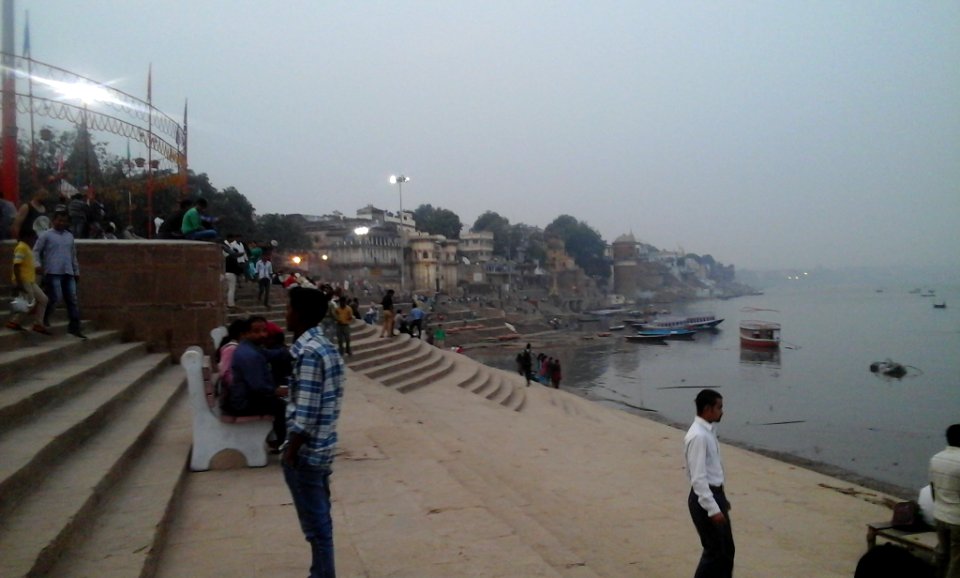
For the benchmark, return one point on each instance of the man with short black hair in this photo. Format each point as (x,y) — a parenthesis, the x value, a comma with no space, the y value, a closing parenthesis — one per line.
(707,502)
(193,227)
(57,255)
(253,391)
(316,390)
(945,486)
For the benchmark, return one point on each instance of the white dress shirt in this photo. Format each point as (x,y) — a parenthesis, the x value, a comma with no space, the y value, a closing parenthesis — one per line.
(945,477)
(704,469)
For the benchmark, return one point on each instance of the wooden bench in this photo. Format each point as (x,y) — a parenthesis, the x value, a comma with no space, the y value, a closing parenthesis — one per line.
(922,542)
(214,432)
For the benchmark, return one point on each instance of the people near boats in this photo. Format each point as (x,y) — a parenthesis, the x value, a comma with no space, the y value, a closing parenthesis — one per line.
(707,501)
(555,374)
(945,486)
(525,363)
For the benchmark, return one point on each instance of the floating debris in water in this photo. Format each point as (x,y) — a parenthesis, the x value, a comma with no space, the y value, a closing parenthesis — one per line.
(888,368)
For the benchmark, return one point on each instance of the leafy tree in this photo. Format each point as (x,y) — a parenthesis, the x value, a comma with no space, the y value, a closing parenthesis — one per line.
(582,242)
(286,230)
(234,212)
(83,162)
(528,241)
(438,221)
(500,227)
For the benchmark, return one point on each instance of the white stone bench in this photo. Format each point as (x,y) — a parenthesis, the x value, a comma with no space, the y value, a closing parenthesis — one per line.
(213,433)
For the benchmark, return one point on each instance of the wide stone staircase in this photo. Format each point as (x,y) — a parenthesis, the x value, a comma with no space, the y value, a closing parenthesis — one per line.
(401,362)
(94,436)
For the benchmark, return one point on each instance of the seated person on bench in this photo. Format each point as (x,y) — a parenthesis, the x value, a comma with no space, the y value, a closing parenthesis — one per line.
(252,391)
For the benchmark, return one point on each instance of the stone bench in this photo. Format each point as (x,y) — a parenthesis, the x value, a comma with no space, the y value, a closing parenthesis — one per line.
(214,432)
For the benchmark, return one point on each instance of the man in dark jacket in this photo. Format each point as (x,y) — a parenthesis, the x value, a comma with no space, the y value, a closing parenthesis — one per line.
(252,391)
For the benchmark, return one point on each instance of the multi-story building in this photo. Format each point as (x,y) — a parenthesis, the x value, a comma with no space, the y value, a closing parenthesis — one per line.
(477,246)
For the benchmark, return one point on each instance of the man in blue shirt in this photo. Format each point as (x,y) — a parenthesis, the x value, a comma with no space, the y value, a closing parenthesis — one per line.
(57,254)
(416,319)
(252,390)
(316,390)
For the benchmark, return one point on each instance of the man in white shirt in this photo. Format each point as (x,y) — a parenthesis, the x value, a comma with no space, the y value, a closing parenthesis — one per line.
(264,279)
(945,485)
(707,502)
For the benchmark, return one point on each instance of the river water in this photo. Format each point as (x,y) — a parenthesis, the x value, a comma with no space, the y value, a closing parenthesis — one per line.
(816,398)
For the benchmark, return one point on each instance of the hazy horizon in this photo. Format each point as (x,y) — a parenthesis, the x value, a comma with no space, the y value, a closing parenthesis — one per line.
(768,135)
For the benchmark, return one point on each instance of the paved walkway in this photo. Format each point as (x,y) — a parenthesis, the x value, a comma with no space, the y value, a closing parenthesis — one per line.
(443,483)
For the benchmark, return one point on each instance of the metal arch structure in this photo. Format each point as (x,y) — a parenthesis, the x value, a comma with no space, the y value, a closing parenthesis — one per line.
(111,110)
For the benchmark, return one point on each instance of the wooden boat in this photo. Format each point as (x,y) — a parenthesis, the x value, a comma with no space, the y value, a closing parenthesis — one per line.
(693,322)
(668,333)
(604,334)
(651,339)
(759,334)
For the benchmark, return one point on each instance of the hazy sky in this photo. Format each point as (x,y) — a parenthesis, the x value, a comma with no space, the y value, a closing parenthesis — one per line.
(768,134)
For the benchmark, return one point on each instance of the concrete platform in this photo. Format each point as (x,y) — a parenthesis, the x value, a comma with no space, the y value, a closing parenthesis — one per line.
(441,482)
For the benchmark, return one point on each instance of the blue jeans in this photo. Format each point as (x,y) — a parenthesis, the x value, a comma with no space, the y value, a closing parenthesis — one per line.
(62,288)
(201,235)
(310,488)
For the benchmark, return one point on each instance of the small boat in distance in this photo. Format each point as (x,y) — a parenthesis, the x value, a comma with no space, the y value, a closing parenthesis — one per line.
(755,333)
(617,327)
(941,305)
(667,333)
(693,322)
(929,293)
(649,339)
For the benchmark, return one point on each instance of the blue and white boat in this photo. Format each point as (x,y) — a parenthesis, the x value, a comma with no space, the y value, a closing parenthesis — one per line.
(667,333)
(692,322)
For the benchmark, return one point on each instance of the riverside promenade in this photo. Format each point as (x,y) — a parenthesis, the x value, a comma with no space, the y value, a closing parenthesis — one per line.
(440,482)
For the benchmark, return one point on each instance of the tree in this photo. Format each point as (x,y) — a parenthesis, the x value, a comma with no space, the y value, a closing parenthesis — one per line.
(234,212)
(528,241)
(500,227)
(583,243)
(438,221)
(83,162)
(286,230)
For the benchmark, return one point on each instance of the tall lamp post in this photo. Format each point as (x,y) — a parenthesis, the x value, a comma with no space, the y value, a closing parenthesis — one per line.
(399,180)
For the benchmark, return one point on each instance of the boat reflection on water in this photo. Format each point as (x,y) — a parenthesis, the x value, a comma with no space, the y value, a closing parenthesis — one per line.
(760,356)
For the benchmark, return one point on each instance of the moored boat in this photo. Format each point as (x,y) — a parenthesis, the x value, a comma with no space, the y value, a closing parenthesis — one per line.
(664,333)
(755,333)
(692,322)
(941,305)
(658,339)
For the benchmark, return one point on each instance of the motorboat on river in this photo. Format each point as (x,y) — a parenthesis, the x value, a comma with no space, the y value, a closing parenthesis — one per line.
(692,322)
(765,334)
(667,333)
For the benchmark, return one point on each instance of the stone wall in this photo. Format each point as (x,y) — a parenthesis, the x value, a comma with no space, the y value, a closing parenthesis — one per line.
(166,293)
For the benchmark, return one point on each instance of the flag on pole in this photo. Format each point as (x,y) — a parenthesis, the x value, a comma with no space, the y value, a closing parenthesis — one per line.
(26,36)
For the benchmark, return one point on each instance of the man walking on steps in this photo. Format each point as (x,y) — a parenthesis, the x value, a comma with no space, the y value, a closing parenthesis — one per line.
(57,255)
(707,502)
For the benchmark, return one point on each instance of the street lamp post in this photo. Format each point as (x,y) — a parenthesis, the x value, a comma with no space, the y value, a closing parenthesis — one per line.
(399,180)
